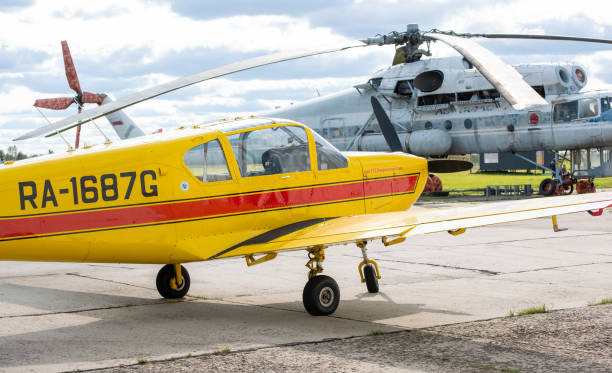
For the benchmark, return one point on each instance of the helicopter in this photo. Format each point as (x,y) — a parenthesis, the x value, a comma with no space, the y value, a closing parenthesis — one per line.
(450,106)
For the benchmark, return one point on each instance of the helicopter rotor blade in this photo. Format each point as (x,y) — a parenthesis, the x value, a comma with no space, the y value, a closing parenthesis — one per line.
(503,77)
(71,75)
(530,36)
(94,113)
(386,126)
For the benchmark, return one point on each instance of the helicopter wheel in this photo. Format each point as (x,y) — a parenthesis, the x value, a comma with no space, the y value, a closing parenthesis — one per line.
(547,187)
(321,296)
(167,285)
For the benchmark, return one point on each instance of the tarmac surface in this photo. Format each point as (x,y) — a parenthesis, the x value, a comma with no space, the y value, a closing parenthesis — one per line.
(435,291)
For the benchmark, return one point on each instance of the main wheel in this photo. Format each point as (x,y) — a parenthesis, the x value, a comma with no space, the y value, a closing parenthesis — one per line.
(369,272)
(547,187)
(166,282)
(321,296)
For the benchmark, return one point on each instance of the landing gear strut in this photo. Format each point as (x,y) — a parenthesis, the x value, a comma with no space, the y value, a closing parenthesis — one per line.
(321,294)
(368,270)
(173,281)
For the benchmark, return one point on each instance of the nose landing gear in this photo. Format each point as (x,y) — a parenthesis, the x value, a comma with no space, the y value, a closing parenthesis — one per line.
(368,270)
(173,281)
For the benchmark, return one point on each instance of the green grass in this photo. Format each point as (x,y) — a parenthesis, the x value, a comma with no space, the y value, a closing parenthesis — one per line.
(601,302)
(376,332)
(225,351)
(142,361)
(530,311)
(467,180)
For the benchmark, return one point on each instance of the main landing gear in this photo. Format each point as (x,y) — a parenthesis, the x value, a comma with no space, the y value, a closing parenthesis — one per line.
(173,281)
(321,294)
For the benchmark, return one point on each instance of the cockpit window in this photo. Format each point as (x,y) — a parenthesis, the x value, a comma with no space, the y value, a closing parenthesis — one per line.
(328,157)
(572,110)
(565,112)
(606,103)
(207,162)
(270,151)
(587,108)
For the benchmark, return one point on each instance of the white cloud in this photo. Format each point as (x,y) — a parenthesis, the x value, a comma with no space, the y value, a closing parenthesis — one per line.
(515,16)
(100,28)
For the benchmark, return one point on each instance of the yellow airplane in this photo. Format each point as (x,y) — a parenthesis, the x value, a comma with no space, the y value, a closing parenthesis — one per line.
(249,187)
(236,188)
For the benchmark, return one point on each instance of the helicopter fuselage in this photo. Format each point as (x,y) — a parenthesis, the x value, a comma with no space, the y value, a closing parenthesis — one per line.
(444,106)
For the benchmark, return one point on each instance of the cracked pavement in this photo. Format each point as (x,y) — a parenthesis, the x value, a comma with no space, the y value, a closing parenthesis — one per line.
(67,316)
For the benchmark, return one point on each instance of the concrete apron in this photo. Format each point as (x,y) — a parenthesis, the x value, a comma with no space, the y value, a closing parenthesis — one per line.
(56,317)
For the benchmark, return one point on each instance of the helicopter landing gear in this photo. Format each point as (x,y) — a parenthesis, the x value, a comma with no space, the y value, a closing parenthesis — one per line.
(173,281)
(368,270)
(321,294)
(547,187)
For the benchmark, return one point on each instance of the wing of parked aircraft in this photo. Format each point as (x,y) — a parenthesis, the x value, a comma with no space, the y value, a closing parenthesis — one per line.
(394,227)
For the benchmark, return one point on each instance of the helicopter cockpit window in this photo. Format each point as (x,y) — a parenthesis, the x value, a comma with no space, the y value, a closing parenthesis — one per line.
(565,112)
(207,162)
(572,110)
(587,108)
(606,103)
(328,157)
(271,151)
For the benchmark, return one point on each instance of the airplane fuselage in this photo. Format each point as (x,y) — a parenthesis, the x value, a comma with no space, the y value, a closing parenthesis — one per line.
(148,200)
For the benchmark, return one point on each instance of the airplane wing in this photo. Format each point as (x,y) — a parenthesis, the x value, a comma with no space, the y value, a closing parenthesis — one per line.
(396,226)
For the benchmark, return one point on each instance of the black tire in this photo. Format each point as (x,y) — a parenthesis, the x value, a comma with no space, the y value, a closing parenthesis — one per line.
(165,275)
(321,296)
(369,272)
(547,187)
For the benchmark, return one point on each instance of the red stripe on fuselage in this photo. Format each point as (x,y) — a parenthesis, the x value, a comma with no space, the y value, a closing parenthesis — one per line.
(185,210)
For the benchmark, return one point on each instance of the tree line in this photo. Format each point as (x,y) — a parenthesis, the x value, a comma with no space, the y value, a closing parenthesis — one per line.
(13,154)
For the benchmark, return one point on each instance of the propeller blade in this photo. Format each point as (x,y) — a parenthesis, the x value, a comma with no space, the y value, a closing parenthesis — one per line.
(537,37)
(71,75)
(504,78)
(94,113)
(91,98)
(386,126)
(58,103)
(442,166)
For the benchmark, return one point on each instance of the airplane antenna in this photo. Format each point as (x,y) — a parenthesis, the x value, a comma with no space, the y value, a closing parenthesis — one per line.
(108,141)
(55,129)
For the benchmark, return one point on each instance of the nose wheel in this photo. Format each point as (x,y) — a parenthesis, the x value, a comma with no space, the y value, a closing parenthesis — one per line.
(173,281)
(368,270)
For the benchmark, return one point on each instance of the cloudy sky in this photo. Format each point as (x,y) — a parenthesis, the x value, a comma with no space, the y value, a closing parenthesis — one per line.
(123,46)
